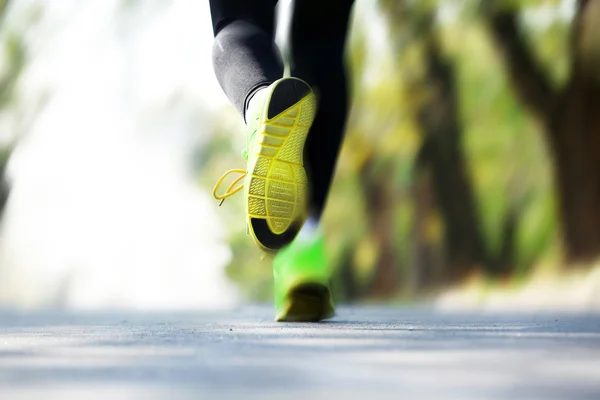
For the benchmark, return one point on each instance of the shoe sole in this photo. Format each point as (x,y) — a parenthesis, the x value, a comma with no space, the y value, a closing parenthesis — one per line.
(307,302)
(277,182)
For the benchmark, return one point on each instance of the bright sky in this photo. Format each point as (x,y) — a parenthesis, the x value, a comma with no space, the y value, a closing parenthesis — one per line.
(104,212)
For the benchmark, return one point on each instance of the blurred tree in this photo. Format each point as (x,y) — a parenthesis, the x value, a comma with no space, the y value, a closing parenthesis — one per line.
(569,116)
(15,57)
(380,208)
(3,8)
(431,84)
(14,54)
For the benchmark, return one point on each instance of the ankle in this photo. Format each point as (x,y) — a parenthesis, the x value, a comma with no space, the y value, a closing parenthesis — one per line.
(253,102)
(309,229)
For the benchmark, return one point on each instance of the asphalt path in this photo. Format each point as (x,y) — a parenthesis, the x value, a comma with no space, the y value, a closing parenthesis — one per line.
(365,352)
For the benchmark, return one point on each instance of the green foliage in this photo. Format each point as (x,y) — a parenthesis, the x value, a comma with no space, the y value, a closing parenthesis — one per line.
(3,8)
(550,45)
(14,56)
(14,53)
(508,159)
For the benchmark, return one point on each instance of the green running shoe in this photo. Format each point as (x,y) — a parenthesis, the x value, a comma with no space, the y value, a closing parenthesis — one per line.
(275,182)
(301,273)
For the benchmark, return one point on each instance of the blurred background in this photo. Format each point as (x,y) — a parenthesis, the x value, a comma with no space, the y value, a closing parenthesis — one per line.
(470,175)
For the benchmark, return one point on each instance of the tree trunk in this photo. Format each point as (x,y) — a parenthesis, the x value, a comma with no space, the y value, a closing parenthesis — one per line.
(438,117)
(381,206)
(426,259)
(571,118)
(574,136)
(347,289)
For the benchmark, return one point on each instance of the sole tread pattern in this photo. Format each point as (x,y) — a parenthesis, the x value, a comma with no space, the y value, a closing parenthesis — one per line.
(278,179)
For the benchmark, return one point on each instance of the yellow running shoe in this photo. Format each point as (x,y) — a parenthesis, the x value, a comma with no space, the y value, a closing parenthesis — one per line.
(275,182)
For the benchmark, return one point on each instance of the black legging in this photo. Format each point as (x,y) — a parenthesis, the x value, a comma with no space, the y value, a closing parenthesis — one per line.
(246,59)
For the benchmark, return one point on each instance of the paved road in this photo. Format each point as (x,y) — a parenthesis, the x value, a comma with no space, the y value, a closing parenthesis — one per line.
(364,353)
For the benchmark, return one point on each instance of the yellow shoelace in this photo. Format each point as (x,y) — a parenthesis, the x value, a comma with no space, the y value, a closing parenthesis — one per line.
(232,188)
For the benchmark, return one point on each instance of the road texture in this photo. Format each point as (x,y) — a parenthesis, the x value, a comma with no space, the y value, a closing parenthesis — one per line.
(365,352)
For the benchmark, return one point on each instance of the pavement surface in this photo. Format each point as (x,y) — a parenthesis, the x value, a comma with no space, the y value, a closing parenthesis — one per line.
(365,352)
